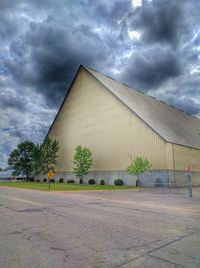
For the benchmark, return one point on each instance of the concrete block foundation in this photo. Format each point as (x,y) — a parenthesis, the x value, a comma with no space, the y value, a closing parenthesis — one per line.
(147,179)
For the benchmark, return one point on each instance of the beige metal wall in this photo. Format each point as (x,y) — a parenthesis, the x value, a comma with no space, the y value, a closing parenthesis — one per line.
(185,156)
(93,117)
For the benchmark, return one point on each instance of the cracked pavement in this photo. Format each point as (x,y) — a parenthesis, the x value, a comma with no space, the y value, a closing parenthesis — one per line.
(98,229)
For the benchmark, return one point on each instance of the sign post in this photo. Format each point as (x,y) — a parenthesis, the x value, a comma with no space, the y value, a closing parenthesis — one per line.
(50,174)
(189,181)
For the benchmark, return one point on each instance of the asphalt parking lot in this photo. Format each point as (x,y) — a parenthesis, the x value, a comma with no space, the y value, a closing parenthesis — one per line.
(98,229)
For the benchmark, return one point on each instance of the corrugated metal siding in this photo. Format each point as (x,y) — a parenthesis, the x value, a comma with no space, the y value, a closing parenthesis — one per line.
(93,117)
(146,143)
(185,156)
(169,156)
(170,123)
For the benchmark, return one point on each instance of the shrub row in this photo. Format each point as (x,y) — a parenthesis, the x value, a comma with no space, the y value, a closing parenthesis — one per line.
(102,182)
(117,182)
(70,181)
(45,180)
(92,181)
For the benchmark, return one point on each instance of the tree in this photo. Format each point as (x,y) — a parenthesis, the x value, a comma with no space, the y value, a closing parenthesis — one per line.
(37,160)
(21,159)
(83,161)
(139,165)
(45,156)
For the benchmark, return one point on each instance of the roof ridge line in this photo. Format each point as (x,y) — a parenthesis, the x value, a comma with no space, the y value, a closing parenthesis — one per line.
(126,105)
(164,102)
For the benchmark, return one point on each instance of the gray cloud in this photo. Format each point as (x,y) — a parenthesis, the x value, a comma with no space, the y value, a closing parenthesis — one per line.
(48,57)
(150,68)
(164,61)
(42,44)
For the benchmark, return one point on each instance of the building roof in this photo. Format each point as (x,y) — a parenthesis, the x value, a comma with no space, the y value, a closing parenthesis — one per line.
(171,124)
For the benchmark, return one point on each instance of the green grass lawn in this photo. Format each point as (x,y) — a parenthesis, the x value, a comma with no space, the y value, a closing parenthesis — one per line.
(62,186)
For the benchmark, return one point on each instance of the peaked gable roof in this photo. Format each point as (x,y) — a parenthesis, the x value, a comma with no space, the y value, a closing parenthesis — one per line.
(171,124)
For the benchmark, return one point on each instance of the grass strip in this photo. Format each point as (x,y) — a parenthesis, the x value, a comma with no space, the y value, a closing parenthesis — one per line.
(62,186)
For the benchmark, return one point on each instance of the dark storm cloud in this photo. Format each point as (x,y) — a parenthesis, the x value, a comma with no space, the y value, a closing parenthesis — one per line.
(7,28)
(46,57)
(8,5)
(44,42)
(12,102)
(110,13)
(185,105)
(46,53)
(159,21)
(151,67)
(166,48)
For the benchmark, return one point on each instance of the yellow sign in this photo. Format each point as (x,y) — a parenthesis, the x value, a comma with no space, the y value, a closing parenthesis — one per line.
(50,174)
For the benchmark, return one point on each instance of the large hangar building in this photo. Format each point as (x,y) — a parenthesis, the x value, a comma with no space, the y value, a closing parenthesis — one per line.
(118,123)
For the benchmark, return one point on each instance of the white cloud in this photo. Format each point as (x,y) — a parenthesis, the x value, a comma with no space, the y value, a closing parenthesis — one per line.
(195,69)
(134,35)
(137,3)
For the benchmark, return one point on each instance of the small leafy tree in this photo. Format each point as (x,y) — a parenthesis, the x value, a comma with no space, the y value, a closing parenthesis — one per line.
(83,161)
(139,165)
(45,156)
(21,159)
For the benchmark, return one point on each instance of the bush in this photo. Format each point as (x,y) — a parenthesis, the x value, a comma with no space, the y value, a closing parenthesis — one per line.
(118,182)
(37,180)
(44,180)
(31,179)
(138,183)
(158,183)
(102,182)
(70,181)
(91,181)
(61,180)
(52,180)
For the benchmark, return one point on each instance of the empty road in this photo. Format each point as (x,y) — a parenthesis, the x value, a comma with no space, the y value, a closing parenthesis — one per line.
(98,229)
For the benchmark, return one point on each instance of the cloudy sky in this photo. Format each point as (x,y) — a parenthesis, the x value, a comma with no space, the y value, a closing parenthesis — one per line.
(153,45)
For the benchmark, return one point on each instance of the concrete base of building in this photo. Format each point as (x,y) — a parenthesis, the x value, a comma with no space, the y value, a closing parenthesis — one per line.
(150,178)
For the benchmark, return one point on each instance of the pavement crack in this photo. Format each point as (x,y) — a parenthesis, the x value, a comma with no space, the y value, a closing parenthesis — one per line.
(55,248)
(15,232)
(170,262)
(30,210)
(9,208)
(155,249)
(169,243)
